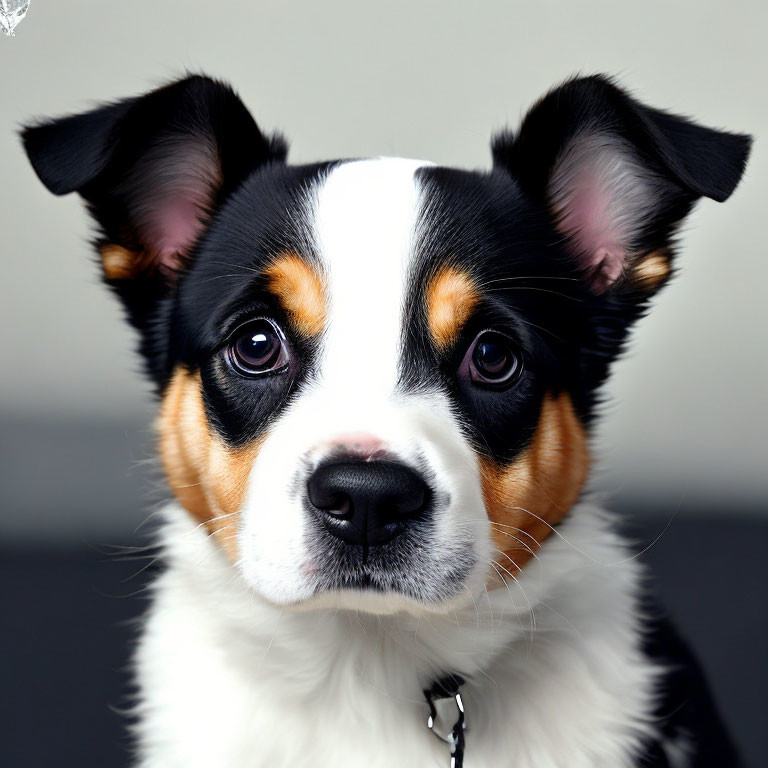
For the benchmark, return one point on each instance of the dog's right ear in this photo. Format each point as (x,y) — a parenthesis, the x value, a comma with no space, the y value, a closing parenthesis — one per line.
(617,177)
(152,170)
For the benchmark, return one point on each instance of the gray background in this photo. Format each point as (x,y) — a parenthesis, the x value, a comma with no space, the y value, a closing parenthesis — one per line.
(687,421)
(683,447)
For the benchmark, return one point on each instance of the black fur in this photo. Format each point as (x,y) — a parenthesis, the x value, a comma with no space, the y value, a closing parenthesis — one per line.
(497,225)
(685,711)
(115,156)
(698,161)
(224,287)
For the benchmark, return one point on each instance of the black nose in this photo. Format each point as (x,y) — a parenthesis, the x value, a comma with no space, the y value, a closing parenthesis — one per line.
(367,502)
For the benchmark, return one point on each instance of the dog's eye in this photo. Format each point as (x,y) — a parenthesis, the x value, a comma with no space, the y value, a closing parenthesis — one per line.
(258,348)
(491,361)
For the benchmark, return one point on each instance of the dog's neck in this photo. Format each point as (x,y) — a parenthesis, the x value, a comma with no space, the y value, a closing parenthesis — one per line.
(562,638)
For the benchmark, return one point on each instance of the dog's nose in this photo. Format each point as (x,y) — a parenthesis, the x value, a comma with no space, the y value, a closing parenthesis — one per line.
(367,502)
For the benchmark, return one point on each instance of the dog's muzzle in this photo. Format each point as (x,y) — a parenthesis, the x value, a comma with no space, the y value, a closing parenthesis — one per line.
(367,503)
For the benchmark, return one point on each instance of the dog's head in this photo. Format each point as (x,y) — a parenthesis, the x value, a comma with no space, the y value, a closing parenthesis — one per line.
(377,376)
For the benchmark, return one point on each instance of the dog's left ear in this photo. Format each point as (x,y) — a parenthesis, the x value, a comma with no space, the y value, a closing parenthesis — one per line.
(153,170)
(617,176)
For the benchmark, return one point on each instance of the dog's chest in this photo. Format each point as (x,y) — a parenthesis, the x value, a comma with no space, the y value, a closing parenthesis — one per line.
(217,717)
(227,682)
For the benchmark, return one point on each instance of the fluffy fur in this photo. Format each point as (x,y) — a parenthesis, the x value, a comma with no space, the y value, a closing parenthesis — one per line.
(358,312)
(555,663)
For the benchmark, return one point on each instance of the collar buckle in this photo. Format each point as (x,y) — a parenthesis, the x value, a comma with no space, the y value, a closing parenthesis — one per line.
(446,718)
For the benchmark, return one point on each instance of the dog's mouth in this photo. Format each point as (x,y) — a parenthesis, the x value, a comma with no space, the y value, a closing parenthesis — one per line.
(408,566)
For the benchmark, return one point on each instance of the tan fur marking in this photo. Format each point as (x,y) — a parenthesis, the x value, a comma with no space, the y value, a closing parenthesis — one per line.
(120,263)
(301,292)
(451,296)
(207,477)
(652,270)
(526,497)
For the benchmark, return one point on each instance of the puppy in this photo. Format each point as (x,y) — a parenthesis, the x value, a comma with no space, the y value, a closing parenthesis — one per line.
(377,380)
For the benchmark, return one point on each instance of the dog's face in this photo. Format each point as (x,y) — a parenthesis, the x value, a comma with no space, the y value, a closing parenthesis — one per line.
(361,388)
(377,376)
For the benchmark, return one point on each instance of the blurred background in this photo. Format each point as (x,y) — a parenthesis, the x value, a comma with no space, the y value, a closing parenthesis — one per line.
(683,447)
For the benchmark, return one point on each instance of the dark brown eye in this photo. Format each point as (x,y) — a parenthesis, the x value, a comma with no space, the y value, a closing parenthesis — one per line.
(258,348)
(491,361)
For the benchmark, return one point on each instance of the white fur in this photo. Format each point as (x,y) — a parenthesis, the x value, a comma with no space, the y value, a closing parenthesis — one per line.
(362,220)
(365,218)
(232,681)
(248,665)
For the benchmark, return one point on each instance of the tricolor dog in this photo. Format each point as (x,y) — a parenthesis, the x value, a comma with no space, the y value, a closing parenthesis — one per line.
(377,380)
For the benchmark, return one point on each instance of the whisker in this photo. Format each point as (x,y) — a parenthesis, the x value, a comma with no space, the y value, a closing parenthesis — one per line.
(529,277)
(557,533)
(519,541)
(519,530)
(495,563)
(524,321)
(542,290)
(586,554)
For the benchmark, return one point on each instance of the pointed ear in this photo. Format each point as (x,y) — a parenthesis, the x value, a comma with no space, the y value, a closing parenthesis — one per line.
(152,169)
(617,177)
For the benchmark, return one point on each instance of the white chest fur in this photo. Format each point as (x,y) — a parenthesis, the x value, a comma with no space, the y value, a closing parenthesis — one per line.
(227,681)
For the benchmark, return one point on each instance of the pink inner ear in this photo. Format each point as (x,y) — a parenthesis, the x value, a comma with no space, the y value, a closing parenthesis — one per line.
(601,197)
(174,228)
(584,213)
(174,214)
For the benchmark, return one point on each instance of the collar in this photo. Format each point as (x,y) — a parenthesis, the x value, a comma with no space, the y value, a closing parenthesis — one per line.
(445,707)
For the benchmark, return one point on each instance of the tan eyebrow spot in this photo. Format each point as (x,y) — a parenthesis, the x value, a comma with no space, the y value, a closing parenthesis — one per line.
(527,497)
(651,271)
(300,291)
(451,296)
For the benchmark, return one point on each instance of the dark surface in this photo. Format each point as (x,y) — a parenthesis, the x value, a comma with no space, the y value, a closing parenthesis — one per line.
(686,710)
(66,638)
(712,575)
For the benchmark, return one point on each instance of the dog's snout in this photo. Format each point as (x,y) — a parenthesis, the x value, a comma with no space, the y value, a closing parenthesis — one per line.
(367,502)
(361,445)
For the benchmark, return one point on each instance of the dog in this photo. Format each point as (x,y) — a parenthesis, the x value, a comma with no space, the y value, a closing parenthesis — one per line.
(377,380)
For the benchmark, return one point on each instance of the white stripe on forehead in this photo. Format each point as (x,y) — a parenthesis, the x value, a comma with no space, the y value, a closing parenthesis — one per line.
(365,216)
